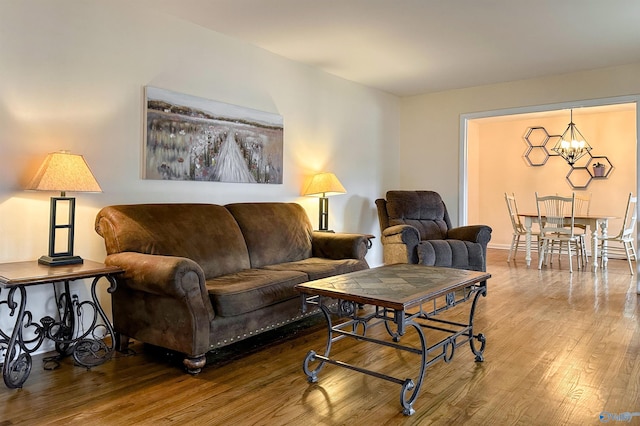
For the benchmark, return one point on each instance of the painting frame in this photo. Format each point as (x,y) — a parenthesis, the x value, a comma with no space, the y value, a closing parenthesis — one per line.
(189,138)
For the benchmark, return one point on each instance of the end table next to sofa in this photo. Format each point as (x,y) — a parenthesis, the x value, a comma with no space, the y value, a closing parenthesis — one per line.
(90,347)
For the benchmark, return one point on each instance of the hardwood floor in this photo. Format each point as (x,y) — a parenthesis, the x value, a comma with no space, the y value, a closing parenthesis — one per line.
(561,349)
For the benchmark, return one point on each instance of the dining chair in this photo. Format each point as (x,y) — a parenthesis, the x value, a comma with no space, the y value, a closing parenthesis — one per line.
(624,237)
(582,207)
(583,204)
(558,227)
(518,228)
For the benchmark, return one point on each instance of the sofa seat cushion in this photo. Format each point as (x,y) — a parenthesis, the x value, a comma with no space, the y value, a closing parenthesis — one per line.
(317,268)
(251,289)
(451,253)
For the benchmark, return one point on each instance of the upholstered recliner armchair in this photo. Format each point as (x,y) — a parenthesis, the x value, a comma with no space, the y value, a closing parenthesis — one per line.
(416,228)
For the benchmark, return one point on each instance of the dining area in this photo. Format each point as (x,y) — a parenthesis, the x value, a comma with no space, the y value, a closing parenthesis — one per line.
(521,154)
(565,224)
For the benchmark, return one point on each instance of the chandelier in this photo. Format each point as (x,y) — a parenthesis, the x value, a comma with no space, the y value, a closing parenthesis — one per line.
(572,144)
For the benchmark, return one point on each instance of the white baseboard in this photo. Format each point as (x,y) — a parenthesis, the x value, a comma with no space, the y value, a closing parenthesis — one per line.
(534,249)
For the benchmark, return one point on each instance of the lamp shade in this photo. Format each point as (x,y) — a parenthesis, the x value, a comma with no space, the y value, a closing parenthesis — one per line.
(324,184)
(63,171)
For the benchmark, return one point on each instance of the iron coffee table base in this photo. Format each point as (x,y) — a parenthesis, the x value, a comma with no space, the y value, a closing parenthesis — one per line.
(397,322)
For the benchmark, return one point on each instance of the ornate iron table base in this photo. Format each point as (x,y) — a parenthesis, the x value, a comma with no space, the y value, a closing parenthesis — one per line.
(397,322)
(89,347)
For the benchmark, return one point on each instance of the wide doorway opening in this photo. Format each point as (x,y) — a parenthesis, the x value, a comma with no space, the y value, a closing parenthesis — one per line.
(511,151)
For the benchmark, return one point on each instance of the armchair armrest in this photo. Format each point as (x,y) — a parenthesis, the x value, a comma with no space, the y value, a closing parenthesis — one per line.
(339,245)
(399,244)
(476,233)
(172,277)
(401,234)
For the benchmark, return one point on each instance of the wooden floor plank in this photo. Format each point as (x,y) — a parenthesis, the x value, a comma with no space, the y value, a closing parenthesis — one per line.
(561,349)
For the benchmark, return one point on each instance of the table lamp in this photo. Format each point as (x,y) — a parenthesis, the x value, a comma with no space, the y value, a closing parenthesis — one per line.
(63,171)
(322,185)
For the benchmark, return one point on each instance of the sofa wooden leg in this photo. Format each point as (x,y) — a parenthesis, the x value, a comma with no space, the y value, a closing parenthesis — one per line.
(121,342)
(194,364)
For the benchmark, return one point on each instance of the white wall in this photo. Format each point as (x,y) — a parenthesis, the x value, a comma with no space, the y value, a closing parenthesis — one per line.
(72,75)
(430,124)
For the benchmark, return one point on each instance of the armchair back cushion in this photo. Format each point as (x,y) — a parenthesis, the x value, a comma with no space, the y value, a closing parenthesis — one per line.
(424,210)
(205,233)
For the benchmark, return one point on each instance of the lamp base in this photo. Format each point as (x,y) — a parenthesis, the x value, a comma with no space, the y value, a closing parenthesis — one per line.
(60,260)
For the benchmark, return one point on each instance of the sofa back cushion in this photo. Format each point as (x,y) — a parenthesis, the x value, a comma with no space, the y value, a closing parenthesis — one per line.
(274,232)
(205,233)
(424,210)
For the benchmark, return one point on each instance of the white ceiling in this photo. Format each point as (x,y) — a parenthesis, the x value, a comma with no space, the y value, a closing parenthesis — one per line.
(409,47)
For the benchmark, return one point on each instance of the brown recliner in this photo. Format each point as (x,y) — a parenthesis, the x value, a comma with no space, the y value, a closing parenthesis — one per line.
(415,228)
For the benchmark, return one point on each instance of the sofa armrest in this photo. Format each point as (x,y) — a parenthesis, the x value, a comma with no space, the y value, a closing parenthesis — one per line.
(475,233)
(168,276)
(339,245)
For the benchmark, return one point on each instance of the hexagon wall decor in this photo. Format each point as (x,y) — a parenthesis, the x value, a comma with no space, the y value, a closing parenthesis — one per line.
(581,173)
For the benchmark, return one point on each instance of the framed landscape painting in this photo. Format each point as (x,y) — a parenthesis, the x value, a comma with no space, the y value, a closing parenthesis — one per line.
(191,138)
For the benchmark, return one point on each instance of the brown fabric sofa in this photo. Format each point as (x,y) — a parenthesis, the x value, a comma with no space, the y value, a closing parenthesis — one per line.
(202,276)
(416,228)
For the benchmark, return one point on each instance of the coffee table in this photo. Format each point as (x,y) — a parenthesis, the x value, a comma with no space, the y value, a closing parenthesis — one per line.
(404,296)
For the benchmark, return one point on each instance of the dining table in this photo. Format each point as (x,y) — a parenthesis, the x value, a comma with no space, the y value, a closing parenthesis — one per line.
(592,222)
